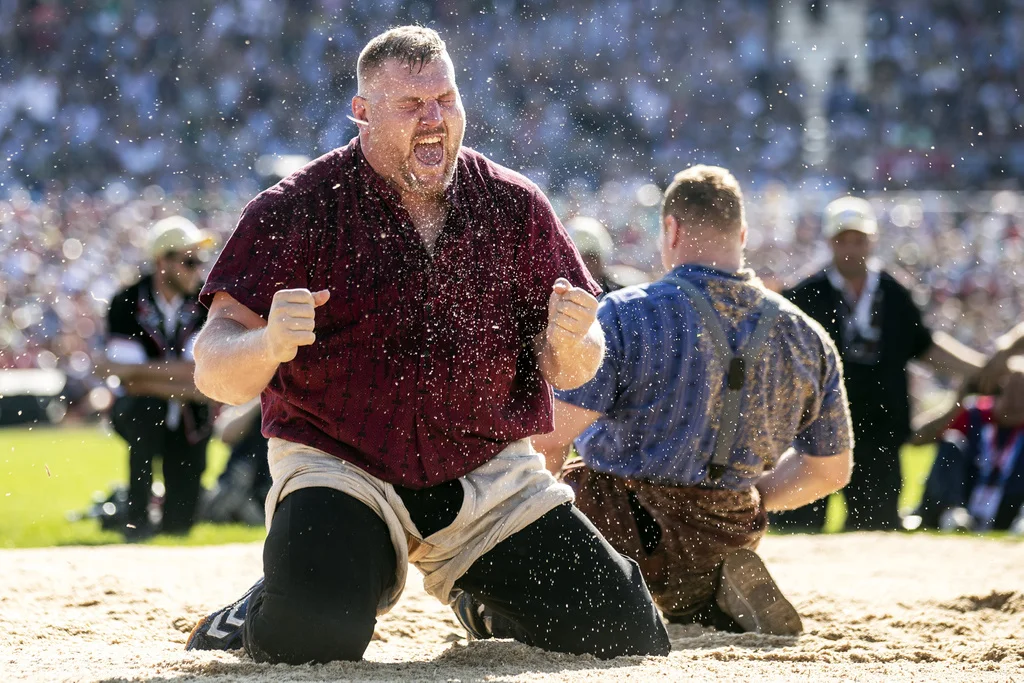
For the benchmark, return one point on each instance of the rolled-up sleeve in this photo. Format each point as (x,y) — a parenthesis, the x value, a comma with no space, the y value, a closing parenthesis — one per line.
(829,430)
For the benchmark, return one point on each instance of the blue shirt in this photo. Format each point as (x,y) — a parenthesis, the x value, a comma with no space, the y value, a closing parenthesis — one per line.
(661,404)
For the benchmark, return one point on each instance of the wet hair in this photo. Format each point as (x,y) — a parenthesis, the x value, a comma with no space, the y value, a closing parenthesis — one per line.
(705,197)
(414,45)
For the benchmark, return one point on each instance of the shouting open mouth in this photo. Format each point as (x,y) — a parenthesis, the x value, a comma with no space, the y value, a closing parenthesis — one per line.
(429,150)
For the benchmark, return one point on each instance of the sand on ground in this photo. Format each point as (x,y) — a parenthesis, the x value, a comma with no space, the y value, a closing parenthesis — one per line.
(876,607)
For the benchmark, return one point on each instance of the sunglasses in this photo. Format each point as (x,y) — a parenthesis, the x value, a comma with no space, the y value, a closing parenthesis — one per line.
(190,262)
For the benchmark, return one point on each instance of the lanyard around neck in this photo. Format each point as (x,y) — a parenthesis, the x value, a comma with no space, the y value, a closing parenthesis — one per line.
(860,307)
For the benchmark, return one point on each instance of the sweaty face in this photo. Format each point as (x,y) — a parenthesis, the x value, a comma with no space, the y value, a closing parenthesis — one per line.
(414,124)
(850,252)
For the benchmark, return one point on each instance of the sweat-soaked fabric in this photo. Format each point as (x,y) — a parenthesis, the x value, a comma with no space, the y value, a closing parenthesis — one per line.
(679,535)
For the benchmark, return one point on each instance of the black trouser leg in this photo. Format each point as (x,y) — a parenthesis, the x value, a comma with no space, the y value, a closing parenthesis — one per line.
(140,482)
(328,559)
(183,468)
(140,422)
(872,496)
(562,587)
(810,517)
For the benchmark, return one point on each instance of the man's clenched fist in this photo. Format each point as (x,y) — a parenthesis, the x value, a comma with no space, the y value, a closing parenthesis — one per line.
(290,322)
(571,312)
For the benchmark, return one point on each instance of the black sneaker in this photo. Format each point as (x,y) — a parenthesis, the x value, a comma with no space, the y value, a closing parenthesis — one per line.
(470,614)
(222,630)
(748,594)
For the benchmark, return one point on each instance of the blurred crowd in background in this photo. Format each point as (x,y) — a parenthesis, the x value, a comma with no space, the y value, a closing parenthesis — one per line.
(180,95)
(115,114)
(184,95)
(942,105)
(65,255)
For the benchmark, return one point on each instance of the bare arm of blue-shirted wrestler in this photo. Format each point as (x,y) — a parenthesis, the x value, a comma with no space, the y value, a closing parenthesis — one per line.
(237,352)
(570,422)
(570,349)
(799,479)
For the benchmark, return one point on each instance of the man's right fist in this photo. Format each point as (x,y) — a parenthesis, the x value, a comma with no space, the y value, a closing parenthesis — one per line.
(290,322)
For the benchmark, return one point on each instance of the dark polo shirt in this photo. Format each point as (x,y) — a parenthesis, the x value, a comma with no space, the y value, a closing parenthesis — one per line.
(422,369)
(879,392)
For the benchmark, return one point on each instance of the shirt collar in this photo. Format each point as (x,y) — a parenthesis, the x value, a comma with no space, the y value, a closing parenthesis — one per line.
(874,271)
(385,190)
(168,308)
(701,271)
(841,285)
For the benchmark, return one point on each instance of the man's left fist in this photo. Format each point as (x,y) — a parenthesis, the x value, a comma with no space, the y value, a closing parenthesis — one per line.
(571,312)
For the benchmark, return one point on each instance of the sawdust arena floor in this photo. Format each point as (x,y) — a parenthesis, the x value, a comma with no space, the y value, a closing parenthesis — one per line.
(875,606)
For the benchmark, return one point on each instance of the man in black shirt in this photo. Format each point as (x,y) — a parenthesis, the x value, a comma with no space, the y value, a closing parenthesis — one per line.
(151,329)
(878,329)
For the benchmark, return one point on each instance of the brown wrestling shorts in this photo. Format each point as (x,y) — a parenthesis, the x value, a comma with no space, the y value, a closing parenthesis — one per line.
(678,535)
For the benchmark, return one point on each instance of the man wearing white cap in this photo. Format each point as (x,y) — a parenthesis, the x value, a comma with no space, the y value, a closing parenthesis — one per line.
(878,329)
(151,329)
(595,246)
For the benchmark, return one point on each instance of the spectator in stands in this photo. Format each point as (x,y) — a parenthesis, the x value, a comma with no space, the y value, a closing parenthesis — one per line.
(595,247)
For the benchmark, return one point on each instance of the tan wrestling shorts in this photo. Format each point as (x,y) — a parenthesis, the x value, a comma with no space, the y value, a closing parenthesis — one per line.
(502,497)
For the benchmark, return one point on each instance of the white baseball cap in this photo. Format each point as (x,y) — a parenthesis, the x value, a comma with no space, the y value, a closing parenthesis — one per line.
(849,213)
(590,236)
(176,234)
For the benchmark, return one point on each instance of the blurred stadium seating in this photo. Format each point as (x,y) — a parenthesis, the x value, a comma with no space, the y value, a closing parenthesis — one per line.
(113,114)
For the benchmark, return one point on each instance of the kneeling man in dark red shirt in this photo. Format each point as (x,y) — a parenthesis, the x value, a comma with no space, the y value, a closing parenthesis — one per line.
(404,306)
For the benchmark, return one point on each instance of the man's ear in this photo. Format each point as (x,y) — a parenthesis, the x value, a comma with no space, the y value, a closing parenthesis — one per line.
(670,224)
(359,109)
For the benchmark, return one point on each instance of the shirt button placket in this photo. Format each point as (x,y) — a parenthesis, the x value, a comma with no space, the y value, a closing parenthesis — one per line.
(428,329)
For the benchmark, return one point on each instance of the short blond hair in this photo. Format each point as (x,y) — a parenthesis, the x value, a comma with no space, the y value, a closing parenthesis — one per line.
(705,197)
(414,45)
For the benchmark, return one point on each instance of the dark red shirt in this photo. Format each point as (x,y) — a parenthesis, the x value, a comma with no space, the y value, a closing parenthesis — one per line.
(422,369)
